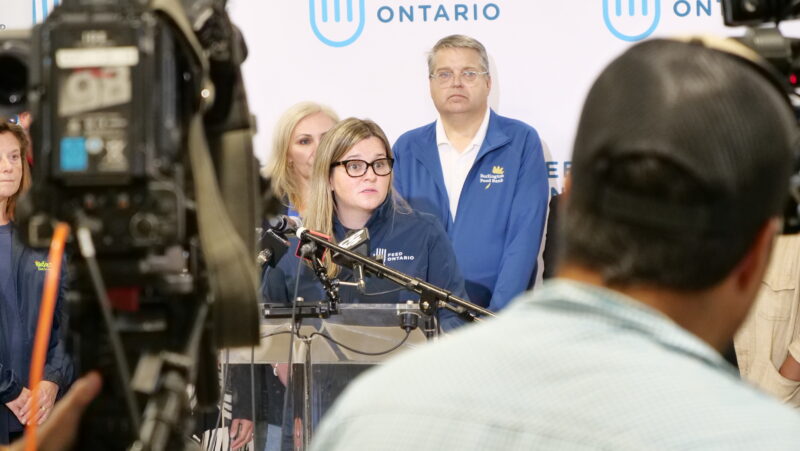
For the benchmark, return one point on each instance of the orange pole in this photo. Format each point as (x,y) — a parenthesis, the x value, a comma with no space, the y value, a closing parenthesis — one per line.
(44,326)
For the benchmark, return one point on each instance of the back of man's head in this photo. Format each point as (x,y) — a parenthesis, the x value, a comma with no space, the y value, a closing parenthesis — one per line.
(682,155)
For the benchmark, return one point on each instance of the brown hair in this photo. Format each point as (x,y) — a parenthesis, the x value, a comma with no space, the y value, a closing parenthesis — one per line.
(24,147)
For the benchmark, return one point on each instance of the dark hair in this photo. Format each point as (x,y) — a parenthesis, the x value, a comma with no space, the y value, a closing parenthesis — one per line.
(682,154)
(24,146)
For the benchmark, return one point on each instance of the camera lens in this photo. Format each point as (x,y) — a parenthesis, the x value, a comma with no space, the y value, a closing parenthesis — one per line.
(13,80)
(14,55)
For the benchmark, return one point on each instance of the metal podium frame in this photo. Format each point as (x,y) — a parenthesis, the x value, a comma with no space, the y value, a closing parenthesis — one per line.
(366,328)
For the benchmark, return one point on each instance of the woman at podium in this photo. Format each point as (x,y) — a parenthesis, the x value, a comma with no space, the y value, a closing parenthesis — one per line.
(351,189)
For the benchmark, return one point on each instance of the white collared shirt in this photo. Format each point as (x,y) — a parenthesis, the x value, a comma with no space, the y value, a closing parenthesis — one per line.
(455,164)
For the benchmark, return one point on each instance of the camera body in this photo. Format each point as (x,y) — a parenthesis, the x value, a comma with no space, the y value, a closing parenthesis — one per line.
(109,132)
(110,91)
(132,145)
(781,65)
(756,12)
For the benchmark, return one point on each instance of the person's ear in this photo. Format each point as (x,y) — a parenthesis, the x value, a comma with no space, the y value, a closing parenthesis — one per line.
(753,265)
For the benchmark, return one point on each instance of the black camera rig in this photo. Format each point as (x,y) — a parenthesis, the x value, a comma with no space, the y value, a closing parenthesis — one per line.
(143,143)
(782,57)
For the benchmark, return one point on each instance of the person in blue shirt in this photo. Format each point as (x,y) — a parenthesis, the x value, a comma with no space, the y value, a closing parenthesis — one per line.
(351,188)
(681,164)
(22,274)
(480,174)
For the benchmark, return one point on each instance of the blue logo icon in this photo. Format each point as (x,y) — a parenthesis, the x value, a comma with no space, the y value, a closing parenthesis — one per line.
(342,24)
(631,18)
(41,13)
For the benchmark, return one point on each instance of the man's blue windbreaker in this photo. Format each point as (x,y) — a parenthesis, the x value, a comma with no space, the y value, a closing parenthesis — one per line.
(501,212)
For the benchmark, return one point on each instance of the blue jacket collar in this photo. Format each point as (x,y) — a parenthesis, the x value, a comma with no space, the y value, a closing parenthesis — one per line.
(381,214)
(495,138)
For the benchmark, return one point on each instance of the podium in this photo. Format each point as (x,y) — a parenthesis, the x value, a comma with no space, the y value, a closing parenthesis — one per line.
(326,355)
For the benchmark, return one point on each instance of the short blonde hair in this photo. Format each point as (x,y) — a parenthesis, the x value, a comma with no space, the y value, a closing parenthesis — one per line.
(277,169)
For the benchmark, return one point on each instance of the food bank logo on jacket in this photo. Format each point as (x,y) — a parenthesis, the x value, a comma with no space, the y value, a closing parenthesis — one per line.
(497,175)
(383,255)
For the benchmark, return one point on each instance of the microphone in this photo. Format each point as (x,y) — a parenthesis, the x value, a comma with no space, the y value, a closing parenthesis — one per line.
(284,223)
(356,241)
(273,247)
(308,249)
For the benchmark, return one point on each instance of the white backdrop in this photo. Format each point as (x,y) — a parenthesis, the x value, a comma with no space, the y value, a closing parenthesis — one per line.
(544,54)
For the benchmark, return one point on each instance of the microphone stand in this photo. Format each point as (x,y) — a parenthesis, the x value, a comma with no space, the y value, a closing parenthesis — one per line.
(306,309)
(431,296)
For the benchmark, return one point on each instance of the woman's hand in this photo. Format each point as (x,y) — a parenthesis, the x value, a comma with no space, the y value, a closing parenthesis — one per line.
(47,398)
(18,404)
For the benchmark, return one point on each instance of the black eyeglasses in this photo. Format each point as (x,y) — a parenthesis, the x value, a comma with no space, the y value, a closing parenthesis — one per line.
(357,168)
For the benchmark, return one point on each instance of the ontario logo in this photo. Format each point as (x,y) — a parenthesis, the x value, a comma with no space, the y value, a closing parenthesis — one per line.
(344,23)
(339,23)
(634,20)
(497,175)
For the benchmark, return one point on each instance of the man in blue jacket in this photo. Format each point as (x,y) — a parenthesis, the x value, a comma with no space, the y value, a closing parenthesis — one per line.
(482,175)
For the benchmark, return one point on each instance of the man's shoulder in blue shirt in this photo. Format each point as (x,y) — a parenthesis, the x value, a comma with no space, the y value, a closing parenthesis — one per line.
(571,367)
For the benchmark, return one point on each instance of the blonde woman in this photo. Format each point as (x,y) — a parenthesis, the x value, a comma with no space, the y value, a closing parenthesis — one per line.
(294,143)
(351,188)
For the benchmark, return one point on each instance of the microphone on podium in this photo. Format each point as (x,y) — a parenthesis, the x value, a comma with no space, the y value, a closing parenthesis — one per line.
(272,243)
(356,241)
(310,249)
(285,224)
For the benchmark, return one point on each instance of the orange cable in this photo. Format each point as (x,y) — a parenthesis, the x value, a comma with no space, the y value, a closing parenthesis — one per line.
(44,326)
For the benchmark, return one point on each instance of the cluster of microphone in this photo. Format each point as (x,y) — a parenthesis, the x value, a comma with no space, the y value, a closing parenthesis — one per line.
(274,244)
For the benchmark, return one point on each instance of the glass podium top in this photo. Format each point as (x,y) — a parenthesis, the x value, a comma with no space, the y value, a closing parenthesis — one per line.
(358,333)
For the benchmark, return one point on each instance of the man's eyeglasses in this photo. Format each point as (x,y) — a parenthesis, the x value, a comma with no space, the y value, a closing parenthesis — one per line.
(357,168)
(14,119)
(468,77)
